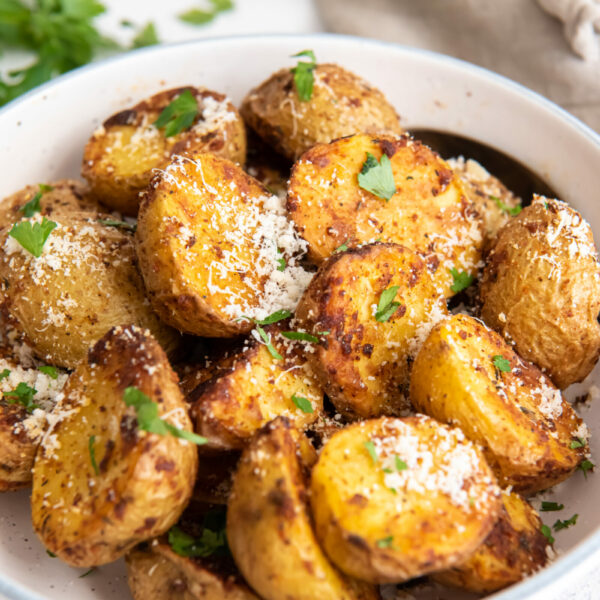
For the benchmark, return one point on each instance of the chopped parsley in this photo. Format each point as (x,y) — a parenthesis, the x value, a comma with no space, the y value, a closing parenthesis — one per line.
(370,446)
(272,318)
(565,524)
(377,177)
(267,340)
(32,237)
(551,506)
(400,464)
(118,224)
(303,404)
(23,394)
(146,36)
(387,307)
(386,542)
(50,554)
(148,420)
(460,280)
(275,317)
(179,115)
(585,466)
(341,248)
(52,372)
(33,206)
(281,261)
(577,443)
(547,533)
(88,572)
(213,540)
(91,442)
(501,363)
(512,211)
(300,335)
(5,373)
(197,16)
(304,77)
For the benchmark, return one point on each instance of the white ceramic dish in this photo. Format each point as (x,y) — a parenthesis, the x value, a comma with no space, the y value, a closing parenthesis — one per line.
(42,136)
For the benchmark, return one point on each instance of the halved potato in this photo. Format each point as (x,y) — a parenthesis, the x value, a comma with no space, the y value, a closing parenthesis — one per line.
(514,549)
(101,484)
(362,362)
(121,155)
(341,104)
(269,528)
(394,499)
(467,375)
(428,213)
(250,387)
(541,290)
(84,283)
(206,211)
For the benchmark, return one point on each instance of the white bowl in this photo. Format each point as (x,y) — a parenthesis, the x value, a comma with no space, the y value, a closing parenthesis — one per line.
(42,137)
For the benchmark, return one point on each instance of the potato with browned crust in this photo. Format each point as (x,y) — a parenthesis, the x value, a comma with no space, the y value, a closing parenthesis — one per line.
(467,375)
(269,528)
(515,549)
(121,155)
(541,290)
(250,387)
(341,104)
(375,304)
(394,499)
(214,246)
(84,282)
(422,205)
(103,482)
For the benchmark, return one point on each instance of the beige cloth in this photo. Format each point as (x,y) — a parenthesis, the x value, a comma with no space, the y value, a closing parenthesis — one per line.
(517,38)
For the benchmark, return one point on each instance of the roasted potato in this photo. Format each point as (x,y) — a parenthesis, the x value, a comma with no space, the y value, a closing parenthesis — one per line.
(514,549)
(494,201)
(250,387)
(394,499)
(269,528)
(467,375)
(428,212)
(541,290)
(102,482)
(121,155)
(362,362)
(59,197)
(84,282)
(208,212)
(341,104)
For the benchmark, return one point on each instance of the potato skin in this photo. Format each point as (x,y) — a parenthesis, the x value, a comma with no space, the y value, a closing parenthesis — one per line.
(520,419)
(445,502)
(363,364)
(119,158)
(268,526)
(144,480)
(429,213)
(541,290)
(514,549)
(341,104)
(84,283)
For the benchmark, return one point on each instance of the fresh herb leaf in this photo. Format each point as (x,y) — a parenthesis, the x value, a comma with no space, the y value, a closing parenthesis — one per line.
(300,335)
(32,237)
(5,373)
(400,464)
(179,114)
(267,340)
(377,177)
(303,404)
(513,211)
(341,248)
(461,280)
(92,451)
(201,17)
(551,506)
(118,224)
(565,524)
(49,370)
(50,554)
(386,542)
(501,363)
(146,36)
(33,206)
(577,443)
(387,307)
(585,466)
(370,446)
(304,77)
(547,533)
(282,262)
(279,315)
(88,572)
(213,540)
(23,394)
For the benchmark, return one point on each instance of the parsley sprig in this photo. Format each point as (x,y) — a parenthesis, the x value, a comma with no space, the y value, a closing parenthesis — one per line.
(303,404)
(461,280)
(501,363)
(212,542)
(32,237)
(23,394)
(197,16)
(585,466)
(547,533)
(52,372)
(387,307)
(566,523)
(377,177)
(179,114)
(275,317)
(304,77)
(33,206)
(512,211)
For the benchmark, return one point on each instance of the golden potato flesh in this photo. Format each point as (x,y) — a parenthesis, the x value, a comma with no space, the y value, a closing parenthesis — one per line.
(84,282)
(492,199)
(394,499)
(121,155)
(362,361)
(214,247)
(541,290)
(251,387)
(467,375)
(515,549)
(269,528)
(428,213)
(341,104)
(101,483)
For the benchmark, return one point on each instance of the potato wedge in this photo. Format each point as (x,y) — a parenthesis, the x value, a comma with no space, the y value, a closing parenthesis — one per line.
(394,499)
(363,361)
(120,156)
(541,290)
(268,526)
(428,213)
(101,484)
(515,549)
(467,375)
(84,283)
(341,104)
(208,212)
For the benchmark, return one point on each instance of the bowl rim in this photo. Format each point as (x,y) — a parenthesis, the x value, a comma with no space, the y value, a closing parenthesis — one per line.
(582,552)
